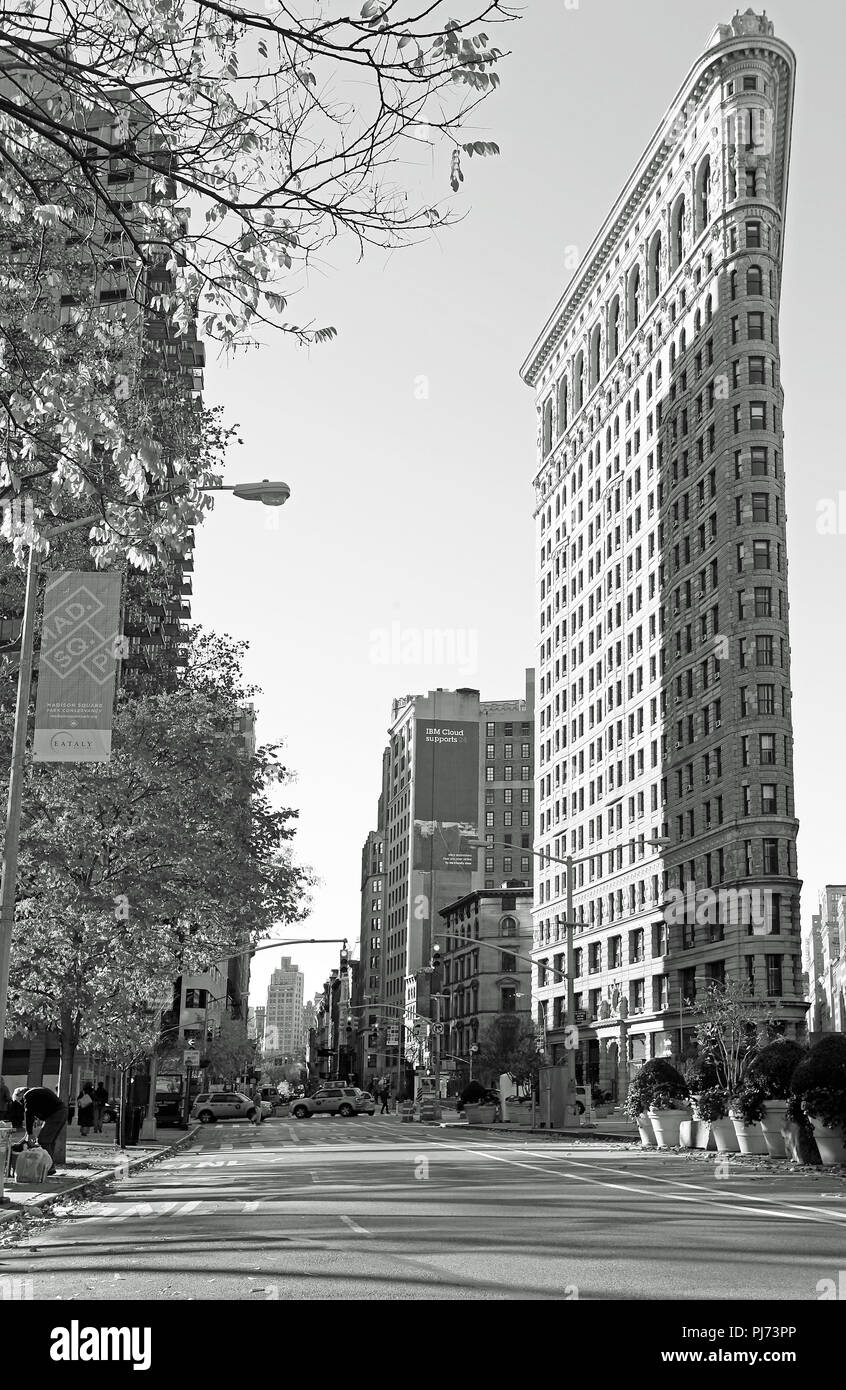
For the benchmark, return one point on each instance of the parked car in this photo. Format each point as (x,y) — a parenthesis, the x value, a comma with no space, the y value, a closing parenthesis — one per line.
(210,1106)
(365,1104)
(330,1100)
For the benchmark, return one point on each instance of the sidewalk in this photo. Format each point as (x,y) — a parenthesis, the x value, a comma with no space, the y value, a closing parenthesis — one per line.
(91,1164)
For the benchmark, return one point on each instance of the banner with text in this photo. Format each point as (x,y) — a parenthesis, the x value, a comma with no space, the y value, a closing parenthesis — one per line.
(80,639)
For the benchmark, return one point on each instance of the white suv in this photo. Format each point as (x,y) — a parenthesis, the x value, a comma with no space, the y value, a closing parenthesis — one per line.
(222,1105)
(330,1100)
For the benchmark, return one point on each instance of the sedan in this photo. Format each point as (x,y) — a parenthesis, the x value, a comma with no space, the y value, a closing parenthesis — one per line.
(365,1104)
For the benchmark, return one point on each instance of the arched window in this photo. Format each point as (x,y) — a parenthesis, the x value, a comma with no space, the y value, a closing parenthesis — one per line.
(508,926)
(617,427)
(677,234)
(628,413)
(562,404)
(659,372)
(654,269)
(697,320)
(614,329)
(637,403)
(608,440)
(595,355)
(579,382)
(703,195)
(547,425)
(672,356)
(649,387)
(633,300)
(754,280)
(683,341)
(709,309)
(733,284)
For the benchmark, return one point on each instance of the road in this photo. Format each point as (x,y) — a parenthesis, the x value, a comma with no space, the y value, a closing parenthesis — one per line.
(372,1208)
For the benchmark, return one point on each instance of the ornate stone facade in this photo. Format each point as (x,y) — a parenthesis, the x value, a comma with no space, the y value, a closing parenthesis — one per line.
(664,660)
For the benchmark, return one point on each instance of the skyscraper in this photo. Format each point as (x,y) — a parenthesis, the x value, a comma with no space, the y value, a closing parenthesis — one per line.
(456,769)
(284,1022)
(663,658)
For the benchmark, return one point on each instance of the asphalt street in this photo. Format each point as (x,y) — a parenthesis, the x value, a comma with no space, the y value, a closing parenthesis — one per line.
(372,1208)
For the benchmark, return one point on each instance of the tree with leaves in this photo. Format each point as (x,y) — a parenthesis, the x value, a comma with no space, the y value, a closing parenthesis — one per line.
(229,1051)
(731,1027)
(508,1044)
(156,864)
(176,166)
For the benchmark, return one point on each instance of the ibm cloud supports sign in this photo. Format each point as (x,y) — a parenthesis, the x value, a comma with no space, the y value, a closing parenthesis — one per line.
(76,672)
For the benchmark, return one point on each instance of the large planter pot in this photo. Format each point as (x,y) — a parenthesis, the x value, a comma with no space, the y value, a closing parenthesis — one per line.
(645,1130)
(772,1124)
(687,1133)
(703,1137)
(480,1114)
(667,1125)
(724,1136)
(831,1142)
(750,1137)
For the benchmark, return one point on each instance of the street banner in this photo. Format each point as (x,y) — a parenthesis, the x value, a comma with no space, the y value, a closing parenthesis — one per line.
(80,639)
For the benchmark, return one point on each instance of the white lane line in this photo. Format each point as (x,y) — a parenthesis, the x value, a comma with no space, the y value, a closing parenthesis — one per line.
(354,1226)
(314,1177)
(251,1206)
(711,1204)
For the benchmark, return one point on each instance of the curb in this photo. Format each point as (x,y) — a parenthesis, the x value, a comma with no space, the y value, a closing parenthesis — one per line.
(95,1183)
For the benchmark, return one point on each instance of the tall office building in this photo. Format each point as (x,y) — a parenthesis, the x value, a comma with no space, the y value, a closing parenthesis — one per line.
(284,1033)
(663,658)
(456,769)
(824,960)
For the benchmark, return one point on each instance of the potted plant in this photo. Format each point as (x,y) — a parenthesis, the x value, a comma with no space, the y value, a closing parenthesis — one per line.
(668,1110)
(712,1110)
(479,1104)
(818,1091)
(772,1071)
(745,1111)
(657,1079)
(700,1075)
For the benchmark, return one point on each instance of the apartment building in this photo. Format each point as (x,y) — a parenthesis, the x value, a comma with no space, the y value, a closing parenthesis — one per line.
(664,732)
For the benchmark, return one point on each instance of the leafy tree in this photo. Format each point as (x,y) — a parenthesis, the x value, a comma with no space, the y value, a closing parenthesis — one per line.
(508,1044)
(730,1030)
(196,156)
(156,864)
(230,1051)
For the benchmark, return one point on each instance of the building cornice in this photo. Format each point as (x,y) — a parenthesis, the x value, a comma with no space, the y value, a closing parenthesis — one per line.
(652,165)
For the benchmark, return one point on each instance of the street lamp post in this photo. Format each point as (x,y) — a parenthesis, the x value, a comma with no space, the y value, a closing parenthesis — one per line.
(269,494)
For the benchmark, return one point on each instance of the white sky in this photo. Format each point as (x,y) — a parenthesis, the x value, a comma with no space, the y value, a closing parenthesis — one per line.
(412,500)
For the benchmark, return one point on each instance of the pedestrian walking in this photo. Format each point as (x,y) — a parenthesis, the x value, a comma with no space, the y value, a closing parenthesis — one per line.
(386,1097)
(101,1100)
(85,1108)
(40,1103)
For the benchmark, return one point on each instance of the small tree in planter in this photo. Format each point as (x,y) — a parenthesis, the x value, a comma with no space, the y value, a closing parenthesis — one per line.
(769,1077)
(818,1092)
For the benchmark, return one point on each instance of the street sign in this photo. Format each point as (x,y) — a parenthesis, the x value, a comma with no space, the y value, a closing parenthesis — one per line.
(191,1057)
(437,1029)
(392,1039)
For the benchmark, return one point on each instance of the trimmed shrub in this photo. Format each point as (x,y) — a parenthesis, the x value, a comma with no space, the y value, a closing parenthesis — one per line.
(655,1078)
(818,1085)
(772,1070)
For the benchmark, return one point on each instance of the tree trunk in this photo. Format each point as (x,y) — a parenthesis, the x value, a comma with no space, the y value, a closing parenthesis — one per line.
(69,1037)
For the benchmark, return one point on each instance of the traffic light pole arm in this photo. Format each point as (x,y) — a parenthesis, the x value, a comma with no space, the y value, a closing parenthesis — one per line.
(488,945)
